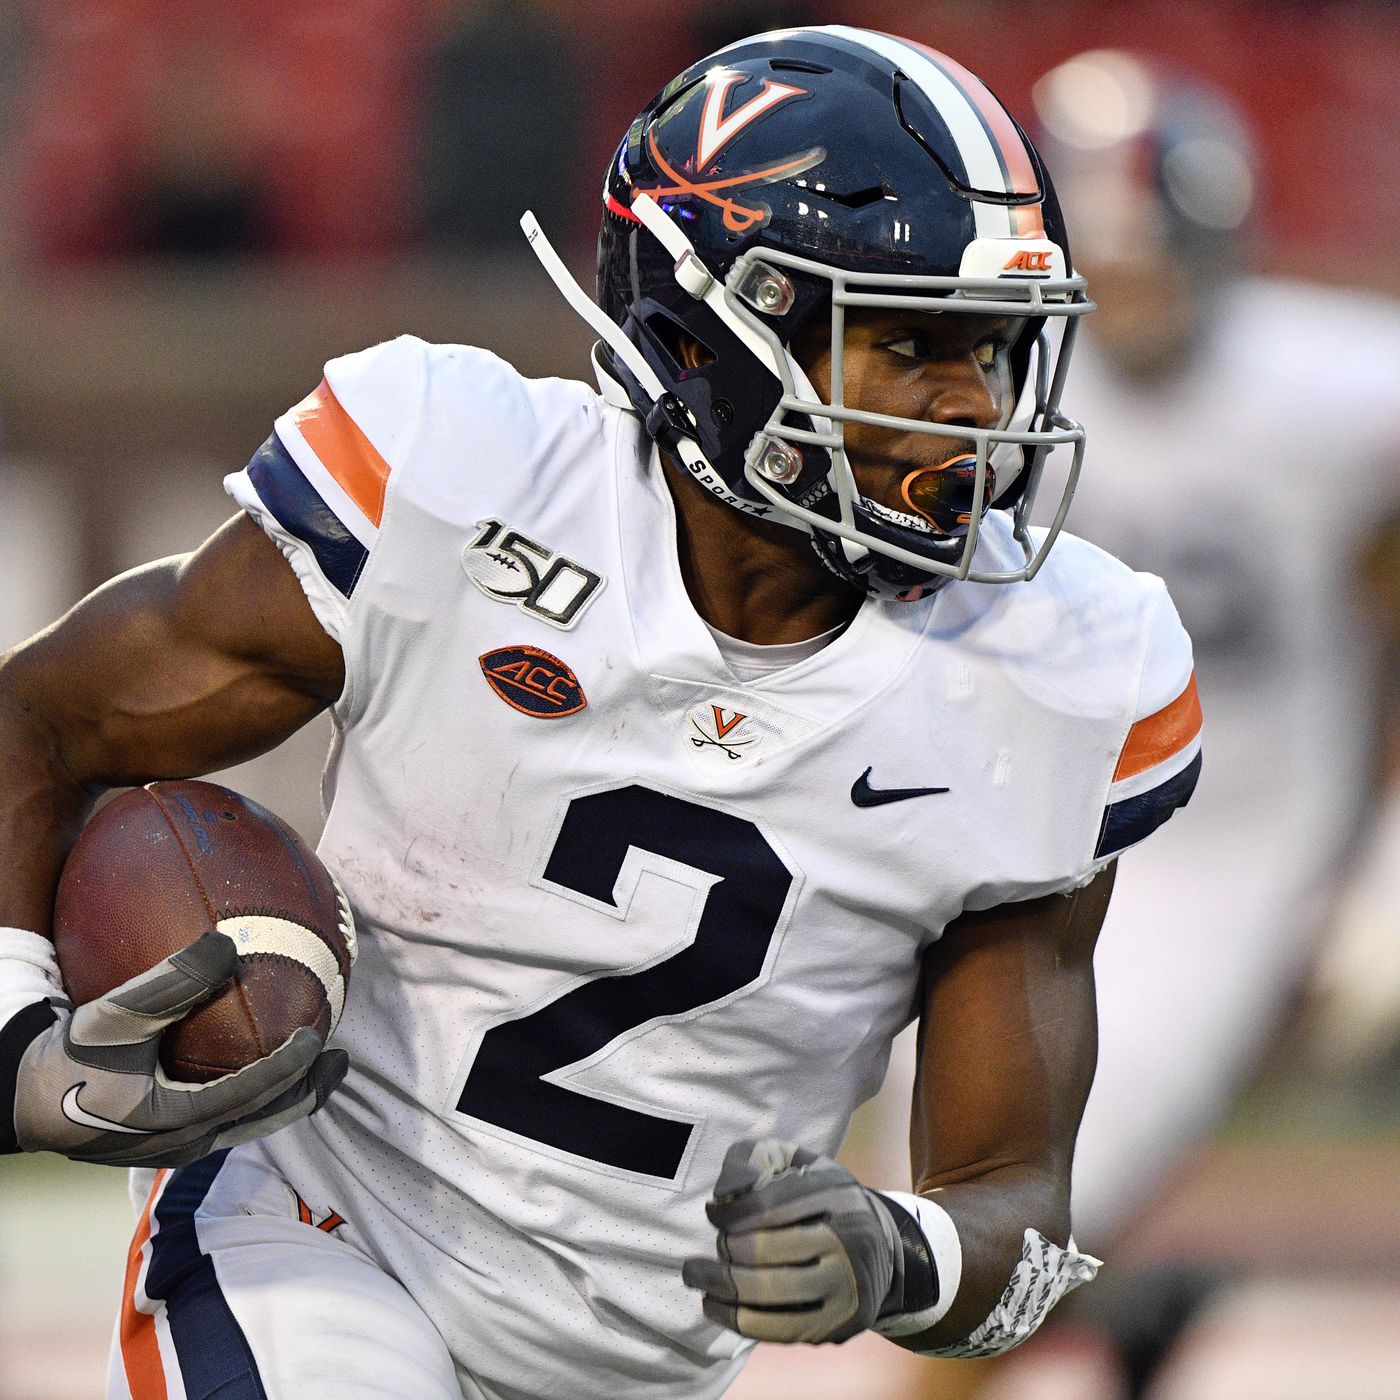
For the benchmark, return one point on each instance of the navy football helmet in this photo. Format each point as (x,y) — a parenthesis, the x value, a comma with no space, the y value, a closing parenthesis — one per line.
(784,179)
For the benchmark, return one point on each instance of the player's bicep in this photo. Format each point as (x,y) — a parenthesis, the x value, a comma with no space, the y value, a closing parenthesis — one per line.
(1008,1038)
(181,667)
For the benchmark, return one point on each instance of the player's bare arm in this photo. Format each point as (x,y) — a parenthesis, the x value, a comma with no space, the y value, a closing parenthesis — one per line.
(175,669)
(1006,1057)
(1007,1050)
(183,666)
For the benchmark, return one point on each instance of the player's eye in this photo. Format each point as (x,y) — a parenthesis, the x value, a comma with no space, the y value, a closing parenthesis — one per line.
(909,347)
(987,352)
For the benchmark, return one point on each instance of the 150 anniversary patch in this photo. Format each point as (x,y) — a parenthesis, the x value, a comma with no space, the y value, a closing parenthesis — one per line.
(512,568)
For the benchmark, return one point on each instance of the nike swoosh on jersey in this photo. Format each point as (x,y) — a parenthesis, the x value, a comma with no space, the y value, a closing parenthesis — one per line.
(863,795)
(74,1112)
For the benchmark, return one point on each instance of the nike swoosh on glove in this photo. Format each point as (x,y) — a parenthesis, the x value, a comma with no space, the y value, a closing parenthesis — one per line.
(88,1084)
(805,1252)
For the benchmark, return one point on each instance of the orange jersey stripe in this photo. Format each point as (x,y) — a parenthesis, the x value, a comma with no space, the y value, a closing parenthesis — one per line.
(145,1375)
(344,451)
(1155,739)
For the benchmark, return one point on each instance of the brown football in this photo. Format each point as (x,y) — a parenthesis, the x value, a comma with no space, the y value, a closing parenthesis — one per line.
(163,864)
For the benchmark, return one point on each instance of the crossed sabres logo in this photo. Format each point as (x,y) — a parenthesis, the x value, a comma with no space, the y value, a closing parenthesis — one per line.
(717,130)
(723,728)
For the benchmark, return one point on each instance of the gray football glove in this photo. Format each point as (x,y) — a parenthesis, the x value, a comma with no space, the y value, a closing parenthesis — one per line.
(87,1085)
(805,1252)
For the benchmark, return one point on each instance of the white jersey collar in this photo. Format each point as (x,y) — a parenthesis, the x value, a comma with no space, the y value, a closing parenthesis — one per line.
(673,641)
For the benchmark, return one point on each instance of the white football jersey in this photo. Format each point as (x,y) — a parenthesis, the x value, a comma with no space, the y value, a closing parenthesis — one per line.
(616,908)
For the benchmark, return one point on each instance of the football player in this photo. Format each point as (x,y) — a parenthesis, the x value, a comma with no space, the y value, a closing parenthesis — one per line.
(693,736)
(1182,375)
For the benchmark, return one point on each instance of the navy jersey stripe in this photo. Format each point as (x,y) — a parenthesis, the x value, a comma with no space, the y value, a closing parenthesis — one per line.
(1128,821)
(215,1358)
(300,511)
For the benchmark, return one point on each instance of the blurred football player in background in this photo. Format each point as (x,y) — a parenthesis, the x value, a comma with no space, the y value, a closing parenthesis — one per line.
(1245,445)
(1353,1008)
(1244,440)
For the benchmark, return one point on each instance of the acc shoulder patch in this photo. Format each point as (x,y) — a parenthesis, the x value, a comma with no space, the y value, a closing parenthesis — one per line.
(533,682)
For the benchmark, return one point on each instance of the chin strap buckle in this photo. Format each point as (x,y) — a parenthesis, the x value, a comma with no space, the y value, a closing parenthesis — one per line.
(693,276)
(668,420)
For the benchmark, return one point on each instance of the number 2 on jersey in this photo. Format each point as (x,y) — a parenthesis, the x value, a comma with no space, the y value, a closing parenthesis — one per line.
(506,1085)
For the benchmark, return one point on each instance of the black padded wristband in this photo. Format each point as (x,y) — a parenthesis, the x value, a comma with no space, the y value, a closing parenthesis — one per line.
(16,1037)
(915,1286)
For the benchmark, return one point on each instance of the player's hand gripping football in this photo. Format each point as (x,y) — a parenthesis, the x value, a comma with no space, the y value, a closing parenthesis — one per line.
(805,1252)
(87,1086)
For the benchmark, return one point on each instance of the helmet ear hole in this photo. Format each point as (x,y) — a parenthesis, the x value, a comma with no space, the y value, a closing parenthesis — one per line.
(684,348)
(694,353)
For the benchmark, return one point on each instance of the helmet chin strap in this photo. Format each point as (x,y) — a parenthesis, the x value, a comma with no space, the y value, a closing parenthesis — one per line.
(611,334)
(694,460)
(584,305)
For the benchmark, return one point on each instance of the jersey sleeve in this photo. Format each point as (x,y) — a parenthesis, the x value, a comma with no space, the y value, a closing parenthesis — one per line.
(317,486)
(1160,759)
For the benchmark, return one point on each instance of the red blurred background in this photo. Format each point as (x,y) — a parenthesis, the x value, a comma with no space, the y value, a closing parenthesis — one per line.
(311,129)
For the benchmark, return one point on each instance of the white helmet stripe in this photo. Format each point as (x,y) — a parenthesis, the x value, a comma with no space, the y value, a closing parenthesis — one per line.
(981,158)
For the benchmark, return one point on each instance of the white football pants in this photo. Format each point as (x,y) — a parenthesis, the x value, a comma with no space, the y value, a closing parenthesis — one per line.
(238,1289)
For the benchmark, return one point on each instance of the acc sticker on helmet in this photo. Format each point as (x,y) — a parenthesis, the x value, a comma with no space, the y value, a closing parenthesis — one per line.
(533,682)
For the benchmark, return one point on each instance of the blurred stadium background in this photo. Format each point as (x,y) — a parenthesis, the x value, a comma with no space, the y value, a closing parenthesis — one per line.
(203,203)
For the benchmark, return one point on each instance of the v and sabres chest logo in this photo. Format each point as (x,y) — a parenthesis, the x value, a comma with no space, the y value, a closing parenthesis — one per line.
(512,568)
(717,731)
(721,120)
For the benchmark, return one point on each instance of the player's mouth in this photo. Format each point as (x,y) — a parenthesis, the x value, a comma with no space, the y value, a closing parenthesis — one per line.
(938,499)
(899,517)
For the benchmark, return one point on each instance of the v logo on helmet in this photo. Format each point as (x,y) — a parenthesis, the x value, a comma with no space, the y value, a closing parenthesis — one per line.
(718,130)
(738,218)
